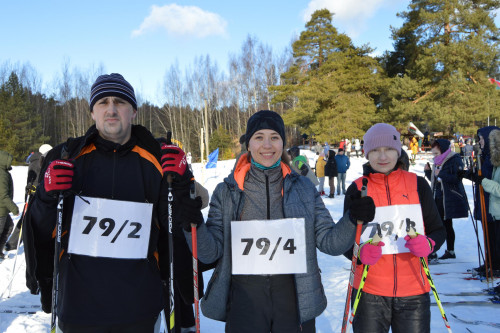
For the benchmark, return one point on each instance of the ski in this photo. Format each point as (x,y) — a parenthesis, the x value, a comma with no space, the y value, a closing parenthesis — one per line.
(17,311)
(475,303)
(477,322)
(437,262)
(25,306)
(22,309)
(469,293)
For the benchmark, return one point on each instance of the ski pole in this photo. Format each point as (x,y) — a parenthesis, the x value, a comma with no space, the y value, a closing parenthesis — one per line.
(171,321)
(484,223)
(474,225)
(194,242)
(17,248)
(412,233)
(375,240)
(354,262)
(57,249)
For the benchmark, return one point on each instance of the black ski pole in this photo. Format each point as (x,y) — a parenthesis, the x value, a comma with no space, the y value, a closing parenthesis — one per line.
(57,249)
(17,248)
(171,321)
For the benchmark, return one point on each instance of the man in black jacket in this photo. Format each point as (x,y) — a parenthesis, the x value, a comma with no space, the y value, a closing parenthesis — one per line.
(111,180)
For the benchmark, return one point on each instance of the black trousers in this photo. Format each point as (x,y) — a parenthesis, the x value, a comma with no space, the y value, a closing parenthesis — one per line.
(146,326)
(450,234)
(494,249)
(263,304)
(6,226)
(376,314)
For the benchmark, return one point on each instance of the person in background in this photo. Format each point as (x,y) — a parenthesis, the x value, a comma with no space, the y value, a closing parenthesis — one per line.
(492,187)
(35,164)
(320,172)
(263,187)
(484,157)
(449,193)
(414,149)
(7,205)
(468,149)
(300,165)
(396,292)
(348,147)
(357,147)
(326,149)
(343,164)
(331,172)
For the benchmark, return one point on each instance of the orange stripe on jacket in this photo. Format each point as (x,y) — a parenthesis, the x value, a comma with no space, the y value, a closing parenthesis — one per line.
(394,275)
(148,156)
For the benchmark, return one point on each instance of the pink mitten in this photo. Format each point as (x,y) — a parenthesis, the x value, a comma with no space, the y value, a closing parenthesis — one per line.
(420,246)
(370,254)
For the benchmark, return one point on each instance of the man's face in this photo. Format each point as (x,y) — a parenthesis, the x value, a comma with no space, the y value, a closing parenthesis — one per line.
(113,118)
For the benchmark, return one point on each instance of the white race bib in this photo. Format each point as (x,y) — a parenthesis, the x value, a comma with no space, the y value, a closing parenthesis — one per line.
(268,246)
(392,221)
(110,228)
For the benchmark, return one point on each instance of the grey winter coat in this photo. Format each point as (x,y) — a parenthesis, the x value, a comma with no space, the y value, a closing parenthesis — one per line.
(300,199)
(6,186)
(492,186)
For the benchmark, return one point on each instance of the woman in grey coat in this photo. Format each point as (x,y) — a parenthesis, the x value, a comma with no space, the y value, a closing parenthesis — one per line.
(262,187)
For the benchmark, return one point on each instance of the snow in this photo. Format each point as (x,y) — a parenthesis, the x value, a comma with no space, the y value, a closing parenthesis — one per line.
(335,272)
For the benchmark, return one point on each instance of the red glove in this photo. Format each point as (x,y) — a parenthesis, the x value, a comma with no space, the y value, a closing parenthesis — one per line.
(173,159)
(370,254)
(59,176)
(420,246)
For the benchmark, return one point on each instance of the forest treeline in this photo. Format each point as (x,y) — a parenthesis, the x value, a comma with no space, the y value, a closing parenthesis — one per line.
(326,87)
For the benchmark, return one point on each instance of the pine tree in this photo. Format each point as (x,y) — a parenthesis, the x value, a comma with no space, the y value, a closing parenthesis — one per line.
(19,124)
(332,85)
(444,54)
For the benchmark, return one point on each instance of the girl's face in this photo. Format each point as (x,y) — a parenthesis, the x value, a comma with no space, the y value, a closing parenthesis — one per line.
(266,147)
(383,159)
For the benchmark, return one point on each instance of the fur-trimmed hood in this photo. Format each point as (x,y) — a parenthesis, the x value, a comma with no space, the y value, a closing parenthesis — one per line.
(494,137)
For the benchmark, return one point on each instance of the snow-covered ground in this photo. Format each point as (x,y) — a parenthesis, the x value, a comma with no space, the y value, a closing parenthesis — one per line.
(334,269)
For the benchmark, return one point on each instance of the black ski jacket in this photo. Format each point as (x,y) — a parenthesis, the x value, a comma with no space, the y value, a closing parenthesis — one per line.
(98,290)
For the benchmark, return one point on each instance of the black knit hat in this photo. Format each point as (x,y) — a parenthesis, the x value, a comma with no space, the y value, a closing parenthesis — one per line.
(265,119)
(112,85)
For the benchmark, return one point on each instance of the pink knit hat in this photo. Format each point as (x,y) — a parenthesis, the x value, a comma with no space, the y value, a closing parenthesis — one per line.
(382,135)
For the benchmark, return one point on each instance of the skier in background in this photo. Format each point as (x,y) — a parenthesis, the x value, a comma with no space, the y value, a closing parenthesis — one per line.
(448,190)
(7,205)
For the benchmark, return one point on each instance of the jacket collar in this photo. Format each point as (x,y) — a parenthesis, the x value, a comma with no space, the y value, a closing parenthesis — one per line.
(243,166)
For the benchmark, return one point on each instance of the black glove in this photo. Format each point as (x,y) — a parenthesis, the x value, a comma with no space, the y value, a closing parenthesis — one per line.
(477,178)
(463,174)
(190,213)
(361,209)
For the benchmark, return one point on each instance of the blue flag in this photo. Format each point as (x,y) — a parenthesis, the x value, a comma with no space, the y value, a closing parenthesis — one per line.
(212,159)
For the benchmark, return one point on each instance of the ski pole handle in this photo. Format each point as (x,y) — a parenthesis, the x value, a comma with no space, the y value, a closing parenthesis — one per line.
(377,238)
(363,194)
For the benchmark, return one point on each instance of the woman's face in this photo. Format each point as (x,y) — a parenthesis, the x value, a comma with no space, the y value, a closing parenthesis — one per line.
(266,147)
(435,151)
(383,159)
(481,142)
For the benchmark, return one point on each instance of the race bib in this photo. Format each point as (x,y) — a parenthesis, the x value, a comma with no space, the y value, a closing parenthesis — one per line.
(268,246)
(393,221)
(110,228)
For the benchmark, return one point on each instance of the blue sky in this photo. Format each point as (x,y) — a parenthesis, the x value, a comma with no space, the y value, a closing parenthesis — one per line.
(142,39)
